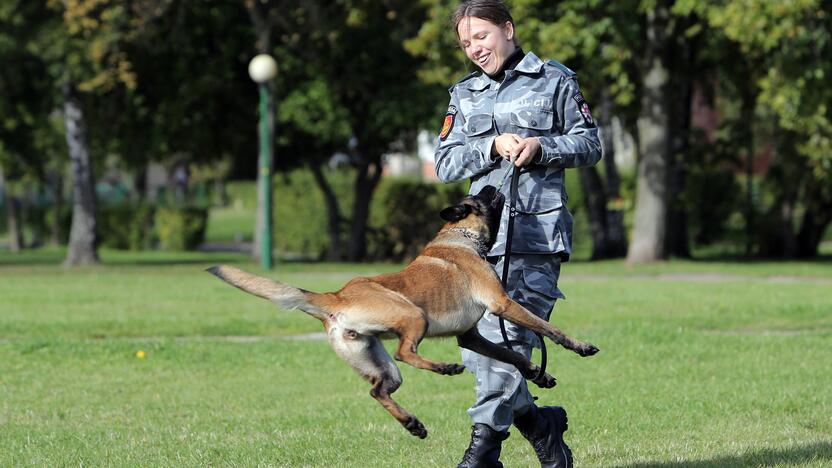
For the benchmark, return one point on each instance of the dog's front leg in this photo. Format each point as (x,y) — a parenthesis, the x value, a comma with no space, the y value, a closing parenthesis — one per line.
(504,307)
(477,343)
(411,327)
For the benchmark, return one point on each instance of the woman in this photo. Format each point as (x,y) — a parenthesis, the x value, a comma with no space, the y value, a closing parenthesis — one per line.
(521,111)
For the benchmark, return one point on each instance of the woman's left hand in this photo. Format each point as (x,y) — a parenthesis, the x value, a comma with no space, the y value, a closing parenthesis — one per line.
(525,151)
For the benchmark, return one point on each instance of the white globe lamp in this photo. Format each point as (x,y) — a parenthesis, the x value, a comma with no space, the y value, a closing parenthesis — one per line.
(262,68)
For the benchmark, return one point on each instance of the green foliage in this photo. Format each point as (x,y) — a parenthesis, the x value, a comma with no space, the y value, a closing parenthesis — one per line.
(410,210)
(404,213)
(25,100)
(242,194)
(300,217)
(180,228)
(126,226)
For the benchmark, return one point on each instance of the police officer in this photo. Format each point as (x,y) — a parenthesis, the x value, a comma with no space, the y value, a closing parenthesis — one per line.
(524,112)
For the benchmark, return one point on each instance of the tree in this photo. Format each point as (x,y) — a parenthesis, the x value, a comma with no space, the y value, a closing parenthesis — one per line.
(600,41)
(786,48)
(344,62)
(24,105)
(654,125)
(84,48)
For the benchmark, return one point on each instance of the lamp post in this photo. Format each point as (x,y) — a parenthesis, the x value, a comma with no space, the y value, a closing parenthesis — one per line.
(263,69)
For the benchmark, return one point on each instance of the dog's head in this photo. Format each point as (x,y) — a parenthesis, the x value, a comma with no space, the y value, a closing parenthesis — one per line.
(478,213)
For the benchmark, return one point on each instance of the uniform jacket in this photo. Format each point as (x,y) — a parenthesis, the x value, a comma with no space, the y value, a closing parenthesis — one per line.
(536,98)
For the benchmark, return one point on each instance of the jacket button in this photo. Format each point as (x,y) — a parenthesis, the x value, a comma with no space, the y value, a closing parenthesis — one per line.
(473,129)
(534,122)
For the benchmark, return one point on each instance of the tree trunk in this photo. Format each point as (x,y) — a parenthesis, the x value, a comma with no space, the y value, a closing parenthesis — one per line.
(335,252)
(56,181)
(616,234)
(365,183)
(13,221)
(15,225)
(648,239)
(609,240)
(749,102)
(815,220)
(595,202)
(776,227)
(82,248)
(677,239)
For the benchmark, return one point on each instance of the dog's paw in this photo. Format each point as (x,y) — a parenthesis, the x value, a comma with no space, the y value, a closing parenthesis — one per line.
(586,349)
(415,427)
(545,381)
(450,369)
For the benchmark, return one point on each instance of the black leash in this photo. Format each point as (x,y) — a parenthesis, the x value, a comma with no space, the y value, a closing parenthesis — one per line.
(513,190)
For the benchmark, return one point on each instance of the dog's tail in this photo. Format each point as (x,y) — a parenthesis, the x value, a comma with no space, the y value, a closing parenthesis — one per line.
(285,296)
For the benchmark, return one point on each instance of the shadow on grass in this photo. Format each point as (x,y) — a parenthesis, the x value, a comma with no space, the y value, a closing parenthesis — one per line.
(818,451)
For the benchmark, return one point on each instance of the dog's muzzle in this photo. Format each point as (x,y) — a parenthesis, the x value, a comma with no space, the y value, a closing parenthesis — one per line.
(491,196)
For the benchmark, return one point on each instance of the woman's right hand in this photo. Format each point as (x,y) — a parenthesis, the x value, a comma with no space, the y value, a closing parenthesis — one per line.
(505,144)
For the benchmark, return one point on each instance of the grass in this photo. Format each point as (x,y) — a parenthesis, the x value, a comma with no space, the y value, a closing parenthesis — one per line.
(702,364)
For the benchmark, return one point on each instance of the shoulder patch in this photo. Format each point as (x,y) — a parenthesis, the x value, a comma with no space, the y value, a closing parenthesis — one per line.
(561,67)
(583,108)
(448,123)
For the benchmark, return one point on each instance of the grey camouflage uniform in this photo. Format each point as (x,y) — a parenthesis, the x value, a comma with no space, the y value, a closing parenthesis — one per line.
(540,99)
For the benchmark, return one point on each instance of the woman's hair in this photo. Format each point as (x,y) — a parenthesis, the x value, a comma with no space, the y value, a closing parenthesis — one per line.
(493,11)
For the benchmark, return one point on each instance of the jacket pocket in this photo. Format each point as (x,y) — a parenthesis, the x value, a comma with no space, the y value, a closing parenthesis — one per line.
(540,190)
(478,125)
(537,120)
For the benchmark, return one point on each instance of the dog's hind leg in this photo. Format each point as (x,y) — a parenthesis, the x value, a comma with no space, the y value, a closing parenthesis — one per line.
(477,343)
(381,391)
(368,357)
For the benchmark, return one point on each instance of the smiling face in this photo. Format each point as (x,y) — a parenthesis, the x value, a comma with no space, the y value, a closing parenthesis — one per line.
(485,43)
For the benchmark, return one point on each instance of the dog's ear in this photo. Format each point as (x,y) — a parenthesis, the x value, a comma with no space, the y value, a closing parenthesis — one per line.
(455,213)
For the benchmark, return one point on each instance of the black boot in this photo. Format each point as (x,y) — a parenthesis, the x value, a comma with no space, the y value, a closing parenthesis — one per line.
(544,428)
(484,451)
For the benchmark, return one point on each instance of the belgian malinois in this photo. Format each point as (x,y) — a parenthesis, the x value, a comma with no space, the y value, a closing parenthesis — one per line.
(443,292)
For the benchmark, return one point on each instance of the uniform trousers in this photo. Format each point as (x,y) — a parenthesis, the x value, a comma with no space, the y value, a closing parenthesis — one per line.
(501,391)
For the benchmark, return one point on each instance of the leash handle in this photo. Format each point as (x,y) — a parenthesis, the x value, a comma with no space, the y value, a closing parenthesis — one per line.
(513,194)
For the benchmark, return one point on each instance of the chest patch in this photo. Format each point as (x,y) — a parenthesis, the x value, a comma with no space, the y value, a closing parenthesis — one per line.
(543,103)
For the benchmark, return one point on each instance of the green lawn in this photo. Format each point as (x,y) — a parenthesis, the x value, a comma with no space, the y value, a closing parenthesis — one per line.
(702,364)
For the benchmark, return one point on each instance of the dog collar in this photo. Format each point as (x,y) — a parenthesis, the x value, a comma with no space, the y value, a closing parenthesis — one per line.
(482,248)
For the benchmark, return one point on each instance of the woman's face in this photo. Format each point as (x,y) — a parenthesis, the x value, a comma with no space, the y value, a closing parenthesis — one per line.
(485,43)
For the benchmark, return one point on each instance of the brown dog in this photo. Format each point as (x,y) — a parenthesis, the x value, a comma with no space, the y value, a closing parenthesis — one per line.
(443,292)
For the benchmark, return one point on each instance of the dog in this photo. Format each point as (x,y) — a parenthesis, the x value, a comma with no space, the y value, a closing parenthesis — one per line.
(442,292)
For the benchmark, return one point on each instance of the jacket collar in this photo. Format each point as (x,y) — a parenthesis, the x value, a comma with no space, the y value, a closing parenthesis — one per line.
(529,64)
(479,82)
